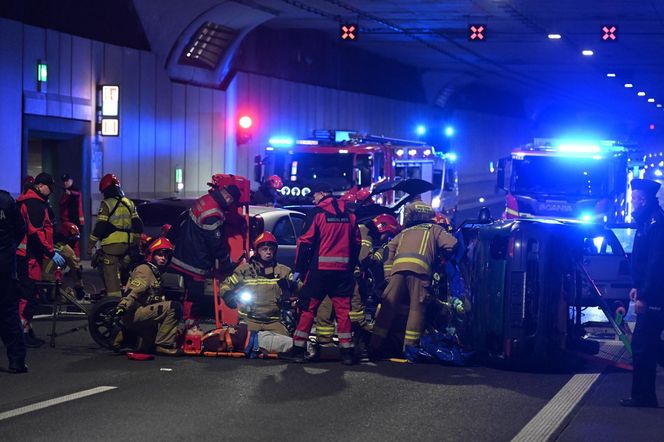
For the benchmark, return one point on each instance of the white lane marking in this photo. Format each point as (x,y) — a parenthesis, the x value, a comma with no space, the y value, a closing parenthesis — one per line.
(49,403)
(165,369)
(550,418)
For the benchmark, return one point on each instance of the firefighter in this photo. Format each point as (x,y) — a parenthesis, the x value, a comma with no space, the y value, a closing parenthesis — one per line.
(143,309)
(71,207)
(327,251)
(266,195)
(202,246)
(412,254)
(12,231)
(647,292)
(119,229)
(36,246)
(260,286)
(65,238)
(375,235)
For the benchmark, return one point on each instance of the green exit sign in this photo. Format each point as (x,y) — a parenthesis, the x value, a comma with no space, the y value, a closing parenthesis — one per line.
(42,72)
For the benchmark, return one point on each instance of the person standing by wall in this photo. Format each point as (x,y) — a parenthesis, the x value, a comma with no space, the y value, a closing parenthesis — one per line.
(71,207)
(647,292)
(12,231)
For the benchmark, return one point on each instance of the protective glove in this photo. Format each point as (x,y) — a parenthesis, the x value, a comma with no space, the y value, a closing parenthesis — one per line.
(284,284)
(120,310)
(59,260)
(296,276)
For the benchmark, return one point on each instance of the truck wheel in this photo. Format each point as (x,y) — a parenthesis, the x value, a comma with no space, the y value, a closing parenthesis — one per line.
(101,322)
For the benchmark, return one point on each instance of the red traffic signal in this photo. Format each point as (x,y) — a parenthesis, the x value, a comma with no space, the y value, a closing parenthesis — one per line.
(244,125)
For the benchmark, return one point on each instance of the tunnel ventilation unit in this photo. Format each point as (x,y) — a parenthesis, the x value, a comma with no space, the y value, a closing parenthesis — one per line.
(207,46)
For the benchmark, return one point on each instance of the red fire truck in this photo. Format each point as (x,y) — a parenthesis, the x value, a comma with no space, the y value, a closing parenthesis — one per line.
(345,159)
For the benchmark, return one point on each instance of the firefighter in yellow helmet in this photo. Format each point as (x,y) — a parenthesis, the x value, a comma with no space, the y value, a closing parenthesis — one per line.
(412,256)
(119,229)
(143,309)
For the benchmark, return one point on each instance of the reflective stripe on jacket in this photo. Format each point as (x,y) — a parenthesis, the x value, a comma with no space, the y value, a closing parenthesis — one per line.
(417,248)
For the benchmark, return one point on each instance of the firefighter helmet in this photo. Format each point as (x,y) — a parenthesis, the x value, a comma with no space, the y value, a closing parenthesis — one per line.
(350,196)
(363,196)
(70,231)
(275,182)
(107,181)
(418,212)
(157,245)
(443,221)
(265,238)
(217,180)
(385,223)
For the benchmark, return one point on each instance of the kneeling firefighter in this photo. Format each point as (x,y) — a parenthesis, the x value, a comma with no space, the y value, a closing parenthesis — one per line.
(260,287)
(65,239)
(143,309)
(412,255)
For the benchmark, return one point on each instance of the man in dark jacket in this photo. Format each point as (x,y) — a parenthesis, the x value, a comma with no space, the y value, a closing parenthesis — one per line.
(200,241)
(12,230)
(647,292)
(71,207)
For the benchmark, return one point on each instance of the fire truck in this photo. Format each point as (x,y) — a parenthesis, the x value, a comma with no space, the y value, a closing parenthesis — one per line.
(578,181)
(345,159)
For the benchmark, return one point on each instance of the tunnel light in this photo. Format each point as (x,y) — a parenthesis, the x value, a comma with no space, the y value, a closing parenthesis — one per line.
(641,94)
(554,36)
(587,52)
(611,75)
(628,85)
(651,100)
(659,105)
(481,200)
(449,131)
(420,129)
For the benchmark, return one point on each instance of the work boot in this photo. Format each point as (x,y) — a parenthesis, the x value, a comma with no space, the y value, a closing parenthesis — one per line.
(295,354)
(361,341)
(410,353)
(347,357)
(169,351)
(17,367)
(31,341)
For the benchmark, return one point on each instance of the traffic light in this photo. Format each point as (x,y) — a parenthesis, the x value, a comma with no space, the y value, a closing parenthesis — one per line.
(244,132)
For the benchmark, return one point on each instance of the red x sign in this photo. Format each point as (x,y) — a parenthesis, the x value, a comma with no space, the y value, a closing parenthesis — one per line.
(476,32)
(348,32)
(609,33)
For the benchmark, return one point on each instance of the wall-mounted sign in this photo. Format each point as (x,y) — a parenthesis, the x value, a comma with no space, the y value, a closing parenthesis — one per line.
(108,110)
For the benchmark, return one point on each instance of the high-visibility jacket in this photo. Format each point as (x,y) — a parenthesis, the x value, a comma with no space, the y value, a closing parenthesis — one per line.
(143,287)
(262,285)
(417,248)
(71,207)
(37,244)
(117,222)
(330,239)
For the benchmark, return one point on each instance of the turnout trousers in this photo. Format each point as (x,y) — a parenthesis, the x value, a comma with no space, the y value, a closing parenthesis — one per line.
(338,286)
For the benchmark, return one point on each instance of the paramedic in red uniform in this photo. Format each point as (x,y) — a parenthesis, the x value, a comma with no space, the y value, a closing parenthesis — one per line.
(327,252)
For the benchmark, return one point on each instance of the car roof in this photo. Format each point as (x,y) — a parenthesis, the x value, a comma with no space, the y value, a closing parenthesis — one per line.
(186,203)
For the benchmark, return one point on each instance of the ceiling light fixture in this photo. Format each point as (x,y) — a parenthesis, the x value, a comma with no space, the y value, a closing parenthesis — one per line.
(611,75)
(659,105)
(629,85)
(641,94)
(554,36)
(651,100)
(587,52)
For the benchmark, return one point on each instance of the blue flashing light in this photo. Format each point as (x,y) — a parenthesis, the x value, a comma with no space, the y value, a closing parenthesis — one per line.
(421,129)
(281,141)
(658,172)
(449,131)
(451,156)
(586,217)
(579,148)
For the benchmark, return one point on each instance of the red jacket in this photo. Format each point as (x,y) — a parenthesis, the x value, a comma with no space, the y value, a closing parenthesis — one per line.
(330,239)
(71,207)
(37,243)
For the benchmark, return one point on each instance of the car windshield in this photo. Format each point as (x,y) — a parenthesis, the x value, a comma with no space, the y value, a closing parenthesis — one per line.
(304,168)
(582,177)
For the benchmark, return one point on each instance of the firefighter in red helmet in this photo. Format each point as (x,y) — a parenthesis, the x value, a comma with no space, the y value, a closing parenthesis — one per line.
(65,238)
(266,195)
(144,310)
(71,206)
(259,287)
(118,229)
(202,246)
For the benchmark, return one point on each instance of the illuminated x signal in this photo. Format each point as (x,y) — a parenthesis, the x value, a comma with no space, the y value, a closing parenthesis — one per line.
(348,32)
(476,32)
(609,33)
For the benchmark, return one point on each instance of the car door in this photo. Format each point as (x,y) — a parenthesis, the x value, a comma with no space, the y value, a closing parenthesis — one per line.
(607,265)
(284,231)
